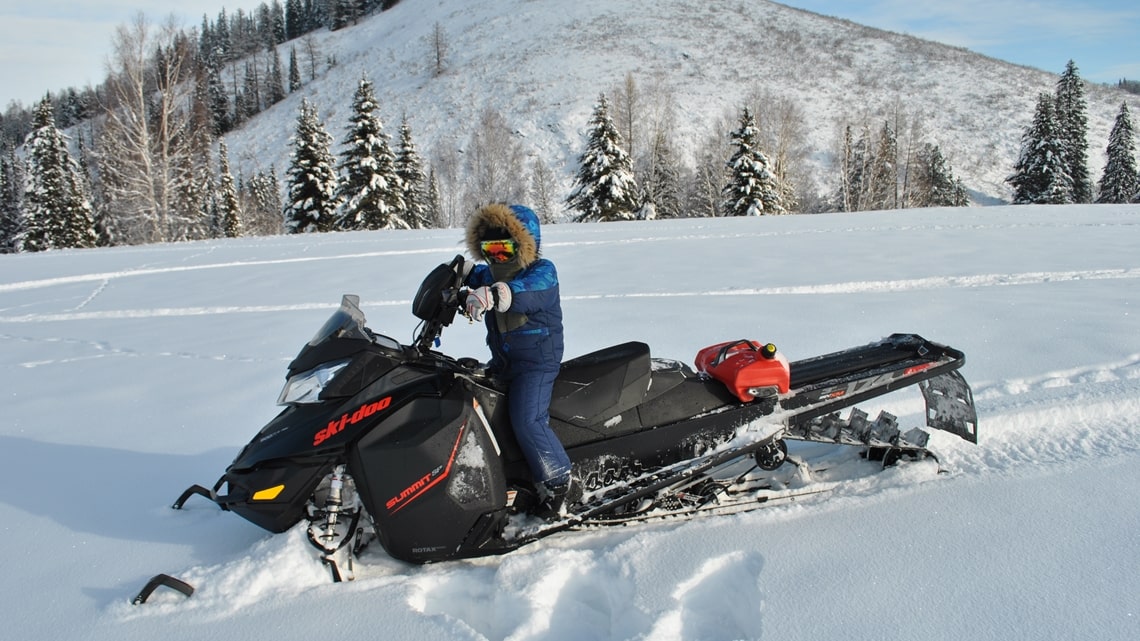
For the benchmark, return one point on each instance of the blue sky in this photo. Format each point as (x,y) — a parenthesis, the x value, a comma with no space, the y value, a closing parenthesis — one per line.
(49,45)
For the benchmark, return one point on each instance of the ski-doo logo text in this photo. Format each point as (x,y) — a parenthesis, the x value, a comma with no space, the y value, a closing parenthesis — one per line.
(350,418)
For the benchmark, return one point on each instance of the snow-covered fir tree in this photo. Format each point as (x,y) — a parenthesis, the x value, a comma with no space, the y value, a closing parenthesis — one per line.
(57,211)
(197,197)
(312,180)
(751,189)
(1073,123)
(1041,174)
(605,188)
(883,189)
(370,190)
(433,202)
(294,71)
(933,180)
(1120,183)
(261,203)
(409,167)
(275,85)
(229,215)
(662,186)
(855,169)
(11,195)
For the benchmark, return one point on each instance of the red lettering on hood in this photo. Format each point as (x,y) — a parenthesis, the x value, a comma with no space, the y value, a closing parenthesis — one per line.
(337,426)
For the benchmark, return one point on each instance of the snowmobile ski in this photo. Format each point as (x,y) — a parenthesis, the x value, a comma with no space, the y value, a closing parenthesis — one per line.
(159,581)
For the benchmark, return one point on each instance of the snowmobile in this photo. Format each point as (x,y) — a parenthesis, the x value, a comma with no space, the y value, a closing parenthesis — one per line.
(411,447)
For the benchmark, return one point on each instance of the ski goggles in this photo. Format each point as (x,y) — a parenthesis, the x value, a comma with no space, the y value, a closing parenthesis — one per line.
(499,251)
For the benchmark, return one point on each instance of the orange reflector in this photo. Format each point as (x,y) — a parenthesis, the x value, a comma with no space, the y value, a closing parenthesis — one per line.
(268,494)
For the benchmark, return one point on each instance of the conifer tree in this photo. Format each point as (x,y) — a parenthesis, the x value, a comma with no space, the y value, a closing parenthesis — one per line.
(605,188)
(261,203)
(275,85)
(856,162)
(1041,174)
(294,71)
(218,103)
(944,189)
(294,19)
(229,209)
(434,203)
(1120,183)
(1073,123)
(370,191)
(57,212)
(751,189)
(312,180)
(883,188)
(409,168)
(663,184)
(11,195)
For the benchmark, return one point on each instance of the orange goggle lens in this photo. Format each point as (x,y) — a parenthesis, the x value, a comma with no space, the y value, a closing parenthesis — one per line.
(498,251)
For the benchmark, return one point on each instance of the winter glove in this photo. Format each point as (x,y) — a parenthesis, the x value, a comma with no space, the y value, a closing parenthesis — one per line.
(496,296)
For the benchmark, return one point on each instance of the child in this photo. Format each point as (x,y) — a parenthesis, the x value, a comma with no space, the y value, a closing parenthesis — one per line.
(517,292)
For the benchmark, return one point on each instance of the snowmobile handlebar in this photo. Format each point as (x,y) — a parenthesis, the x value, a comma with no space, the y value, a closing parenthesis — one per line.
(438,300)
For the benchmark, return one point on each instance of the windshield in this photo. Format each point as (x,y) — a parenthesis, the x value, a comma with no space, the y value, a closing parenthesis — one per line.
(346,322)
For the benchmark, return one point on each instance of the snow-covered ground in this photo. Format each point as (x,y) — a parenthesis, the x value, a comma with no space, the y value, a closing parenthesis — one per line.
(130,373)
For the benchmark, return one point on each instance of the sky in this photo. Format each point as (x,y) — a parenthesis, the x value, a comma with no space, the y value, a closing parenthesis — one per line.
(50,45)
(1099,35)
(129,373)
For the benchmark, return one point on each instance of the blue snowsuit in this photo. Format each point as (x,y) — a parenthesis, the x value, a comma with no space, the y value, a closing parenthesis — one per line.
(526,341)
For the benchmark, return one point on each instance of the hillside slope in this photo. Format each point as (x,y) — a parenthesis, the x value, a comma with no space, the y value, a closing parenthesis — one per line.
(542,64)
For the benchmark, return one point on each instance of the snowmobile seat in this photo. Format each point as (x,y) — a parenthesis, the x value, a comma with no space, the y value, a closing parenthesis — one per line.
(595,387)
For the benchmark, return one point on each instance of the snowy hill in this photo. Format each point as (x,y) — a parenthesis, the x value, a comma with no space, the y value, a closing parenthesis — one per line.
(130,373)
(542,64)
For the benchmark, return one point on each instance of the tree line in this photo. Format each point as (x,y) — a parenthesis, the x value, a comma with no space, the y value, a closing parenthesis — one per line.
(145,155)
(250,38)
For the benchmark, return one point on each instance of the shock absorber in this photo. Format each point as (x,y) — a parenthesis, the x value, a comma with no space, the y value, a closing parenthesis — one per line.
(333,504)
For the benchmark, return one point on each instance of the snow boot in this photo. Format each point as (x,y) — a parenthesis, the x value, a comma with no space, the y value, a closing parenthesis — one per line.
(555,499)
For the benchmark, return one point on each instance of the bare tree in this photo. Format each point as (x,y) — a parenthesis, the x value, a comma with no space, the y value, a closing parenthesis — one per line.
(626,112)
(659,168)
(704,196)
(312,53)
(446,168)
(147,149)
(439,45)
(780,121)
(495,163)
(542,187)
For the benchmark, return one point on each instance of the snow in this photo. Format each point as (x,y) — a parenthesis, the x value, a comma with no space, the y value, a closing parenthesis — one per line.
(130,373)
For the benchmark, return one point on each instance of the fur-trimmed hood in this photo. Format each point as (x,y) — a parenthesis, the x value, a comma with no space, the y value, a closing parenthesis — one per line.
(519,221)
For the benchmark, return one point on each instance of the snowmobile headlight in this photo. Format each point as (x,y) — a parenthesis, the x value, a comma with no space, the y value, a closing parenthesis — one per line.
(307,386)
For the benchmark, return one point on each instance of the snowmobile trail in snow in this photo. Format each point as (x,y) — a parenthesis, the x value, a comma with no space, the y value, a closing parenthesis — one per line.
(853,287)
